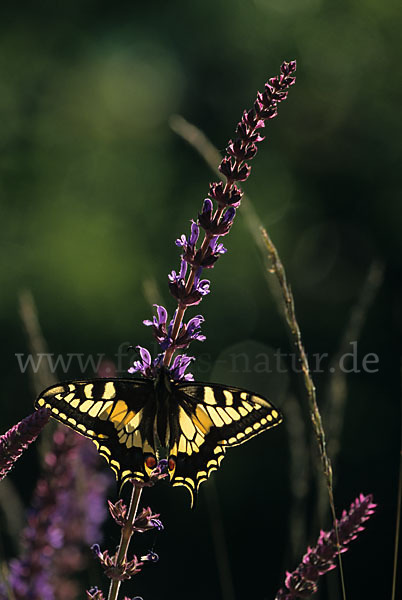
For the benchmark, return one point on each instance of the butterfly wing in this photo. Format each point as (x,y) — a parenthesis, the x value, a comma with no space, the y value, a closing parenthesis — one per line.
(116,414)
(211,418)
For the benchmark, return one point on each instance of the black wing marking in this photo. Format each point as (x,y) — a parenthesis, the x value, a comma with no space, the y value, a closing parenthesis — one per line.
(211,418)
(116,414)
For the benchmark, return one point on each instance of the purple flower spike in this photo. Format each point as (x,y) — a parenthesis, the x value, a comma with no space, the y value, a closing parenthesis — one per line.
(303,582)
(188,290)
(18,438)
(66,514)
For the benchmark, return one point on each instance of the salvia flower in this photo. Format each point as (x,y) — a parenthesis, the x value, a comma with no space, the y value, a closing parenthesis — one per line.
(149,368)
(146,520)
(189,288)
(180,364)
(303,582)
(17,439)
(189,245)
(162,333)
(159,326)
(179,289)
(146,366)
(210,222)
(189,332)
(113,570)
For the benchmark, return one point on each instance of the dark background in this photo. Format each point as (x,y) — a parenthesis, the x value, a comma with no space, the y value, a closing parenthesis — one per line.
(95,187)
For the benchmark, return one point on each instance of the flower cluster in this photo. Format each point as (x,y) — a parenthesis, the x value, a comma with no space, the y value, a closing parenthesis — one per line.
(113,569)
(302,582)
(117,567)
(66,515)
(18,438)
(145,521)
(187,285)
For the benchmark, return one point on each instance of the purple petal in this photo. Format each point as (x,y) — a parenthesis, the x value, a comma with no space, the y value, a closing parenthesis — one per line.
(194,323)
(195,232)
(183,269)
(229,215)
(203,287)
(188,377)
(145,355)
(207,207)
(173,277)
(181,241)
(220,249)
(162,314)
(197,277)
(180,364)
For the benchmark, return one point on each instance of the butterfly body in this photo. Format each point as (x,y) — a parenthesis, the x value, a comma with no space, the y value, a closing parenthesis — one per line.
(136,422)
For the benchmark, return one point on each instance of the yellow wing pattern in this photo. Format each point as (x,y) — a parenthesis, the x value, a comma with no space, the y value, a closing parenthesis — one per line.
(212,418)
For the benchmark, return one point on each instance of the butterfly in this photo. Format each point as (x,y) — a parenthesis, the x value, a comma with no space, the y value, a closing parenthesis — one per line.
(136,422)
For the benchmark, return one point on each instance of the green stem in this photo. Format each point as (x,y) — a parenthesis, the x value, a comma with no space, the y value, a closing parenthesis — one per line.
(126,534)
(290,316)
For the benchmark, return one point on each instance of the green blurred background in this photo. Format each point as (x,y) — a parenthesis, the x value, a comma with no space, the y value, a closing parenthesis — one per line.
(95,187)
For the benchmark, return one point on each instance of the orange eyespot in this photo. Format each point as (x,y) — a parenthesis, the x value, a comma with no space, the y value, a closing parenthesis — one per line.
(171,464)
(150,462)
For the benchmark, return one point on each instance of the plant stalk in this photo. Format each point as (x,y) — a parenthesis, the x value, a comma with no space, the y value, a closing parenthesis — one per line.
(126,534)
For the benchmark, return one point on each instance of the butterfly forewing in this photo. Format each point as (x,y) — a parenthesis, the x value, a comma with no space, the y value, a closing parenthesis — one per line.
(116,414)
(211,418)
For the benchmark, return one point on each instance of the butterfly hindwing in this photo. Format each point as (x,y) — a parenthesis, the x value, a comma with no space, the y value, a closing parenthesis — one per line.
(212,417)
(116,414)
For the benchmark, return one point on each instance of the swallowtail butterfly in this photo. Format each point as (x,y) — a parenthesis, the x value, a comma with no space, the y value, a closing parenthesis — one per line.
(136,422)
